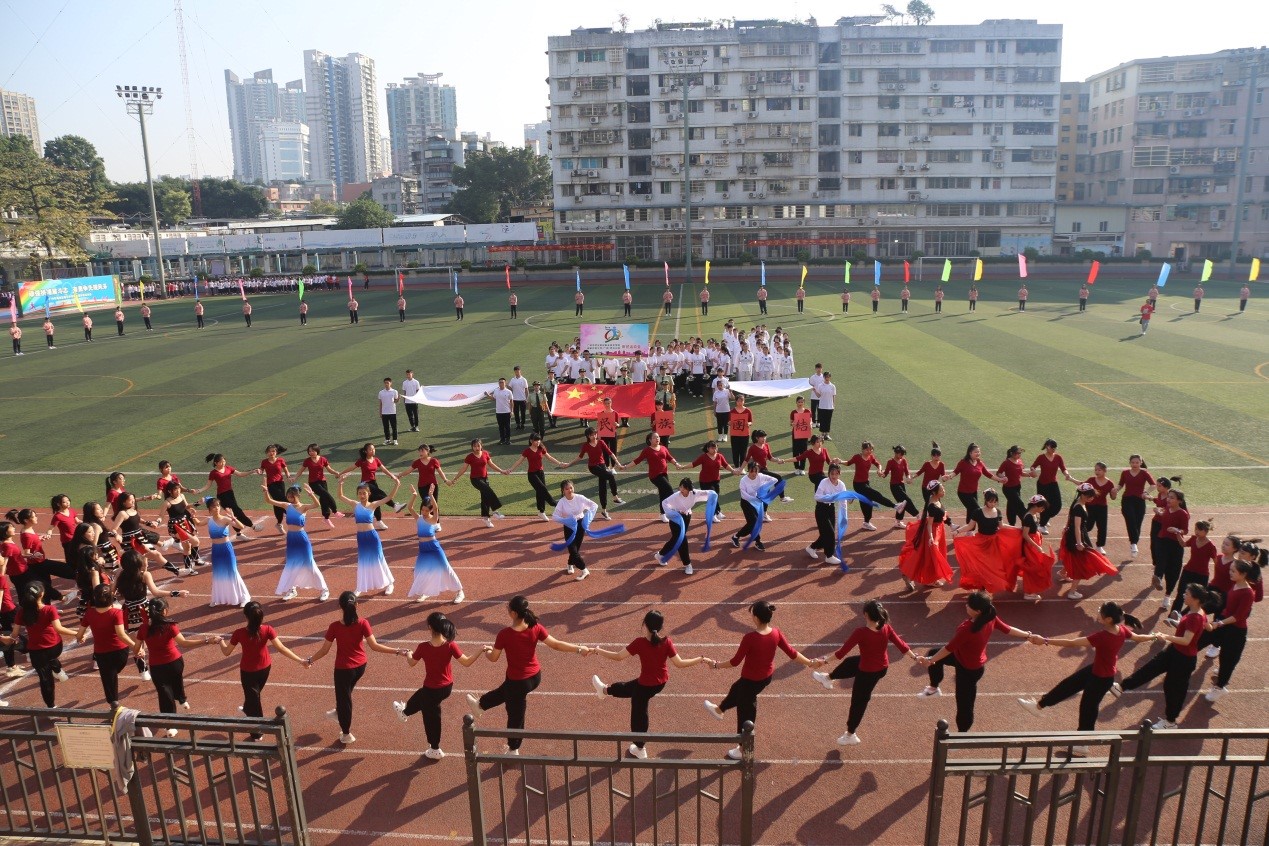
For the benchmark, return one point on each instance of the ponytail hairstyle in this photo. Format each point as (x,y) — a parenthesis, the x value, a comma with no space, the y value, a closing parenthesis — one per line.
(519,605)
(103,596)
(980,601)
(213,457)
(348,604)
(654,621)
(969,450)
(112,479)
(935,452)
(278,447)
(441,625)
(875,611)
(763,610)
(29,602)
(157,609)
(254,612)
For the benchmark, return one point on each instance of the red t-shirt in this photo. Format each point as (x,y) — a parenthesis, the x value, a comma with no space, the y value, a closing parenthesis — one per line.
(479,464)
(437,662)
(1106,647)
(1200,557)
(1049,468)
(863,466)
(1011,469)
(970,647)
(369,468)
(594,454)
(1193,622)
(349,652)
(967,475)
(255,650)
(757,651)
(101,622)
(711,467)
(1102,488)
(652,668)
(896,470)
(739,421)
(931,472)
(1136,485)
(224,479)
(522,650)
(273,470)
(658,460)
(41,634)
(162,645)
(760,454)
(316,468)
(815,461)
(65,525)
(873,643)
(427,471)
(801,423)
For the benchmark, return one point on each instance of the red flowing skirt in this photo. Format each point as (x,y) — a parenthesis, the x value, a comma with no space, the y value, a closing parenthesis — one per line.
(927,563)
(982,562)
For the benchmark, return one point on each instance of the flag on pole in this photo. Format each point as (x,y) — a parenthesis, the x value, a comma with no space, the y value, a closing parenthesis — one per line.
(947,269)
(846,274)
(876,274)
(907,272)
(1207,271)
(978,270)
(707,271)
(242,292)
(579,278)
(667,273)
(1255,270)
(301,290)
(762,280)
(1022,266)
(625,271)
(1092,271)
(802,284)
(1163,275)
(401,282)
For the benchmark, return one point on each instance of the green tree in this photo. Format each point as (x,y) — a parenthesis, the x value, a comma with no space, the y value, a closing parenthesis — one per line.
(364,213)
(75,153)
(52,204)
(920,12)
(510,176)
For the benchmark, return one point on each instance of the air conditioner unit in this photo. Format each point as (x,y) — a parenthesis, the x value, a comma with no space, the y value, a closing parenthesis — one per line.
(577,93)
(1175,169)
(1044,218)
(753,115)
(934,86)
(914,196)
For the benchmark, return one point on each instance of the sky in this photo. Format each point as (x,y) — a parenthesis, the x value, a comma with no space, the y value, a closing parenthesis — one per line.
(70,54)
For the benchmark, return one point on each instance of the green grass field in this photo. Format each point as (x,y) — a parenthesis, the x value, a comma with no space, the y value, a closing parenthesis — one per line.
(1193,393)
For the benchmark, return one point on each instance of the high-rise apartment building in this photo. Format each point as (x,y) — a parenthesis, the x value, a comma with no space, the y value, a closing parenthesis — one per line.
(937,139)
(1178,143)
(343,117)
(17,117)
(254,104)
(418,108)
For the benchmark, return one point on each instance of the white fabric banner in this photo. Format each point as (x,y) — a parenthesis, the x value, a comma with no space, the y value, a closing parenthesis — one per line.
(772,388)
(451,396)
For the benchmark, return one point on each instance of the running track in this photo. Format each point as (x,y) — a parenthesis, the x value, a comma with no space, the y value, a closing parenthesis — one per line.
(809,791)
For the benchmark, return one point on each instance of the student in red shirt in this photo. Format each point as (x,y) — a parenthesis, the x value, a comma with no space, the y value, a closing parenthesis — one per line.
(44,633)
(757,654)
(966,652)
(317,465)
(1133,484)
(253,669)
(159,637)
(712,463)
(536,455)
(520,640)
(437,655)
(277,476)
(1198,569)
(1094,680)
(348,633)
(864,463)
(479,461)
(653,651)
(868,667)
(1177,661)
(1229,631)
(659,461)
(1049,464)
(111,642)
(597,453)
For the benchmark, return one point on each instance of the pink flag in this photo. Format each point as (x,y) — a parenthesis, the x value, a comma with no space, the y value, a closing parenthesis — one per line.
(1022,265)
(1092,272)
(667,274)
(242,293)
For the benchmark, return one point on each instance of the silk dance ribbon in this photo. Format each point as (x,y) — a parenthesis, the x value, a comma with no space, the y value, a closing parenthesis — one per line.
(574,526)
(676,519)
(767,494)
(839,500)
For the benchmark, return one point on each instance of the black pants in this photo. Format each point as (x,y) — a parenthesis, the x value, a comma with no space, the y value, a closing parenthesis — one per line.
(520,408)
(799,447)
(664,489)
(1015,508)
(1187,578)
(751,518)
(860,690)
(169,684)
(826,523)
(1232,641)
(412,414)
(1099,516)
(970,501)
(1176,670)
(1171,555)
(345,682)
(639,695)
(541,493)
(109,666)
(826,420)
(389,426)
(428,701)
(739,446)
(762,306)
(514,693)
(863,488)
(743,696)
(900,494)
(253,682)
(1052,493)
(1092,689)
(685,554)
(46,665)
(504,426)
(229,502)
(1134,510)
(966,688)
(607,481)
(329,506)
(489,501)
(277,490)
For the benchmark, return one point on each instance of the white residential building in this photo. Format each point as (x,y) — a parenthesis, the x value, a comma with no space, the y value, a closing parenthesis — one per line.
(343,117)
(896,139)
(18,117)
(418,108)
(255,103)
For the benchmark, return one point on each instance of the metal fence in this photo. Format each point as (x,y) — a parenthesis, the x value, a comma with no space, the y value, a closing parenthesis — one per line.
(208,784)
(579,787)
(1180,786)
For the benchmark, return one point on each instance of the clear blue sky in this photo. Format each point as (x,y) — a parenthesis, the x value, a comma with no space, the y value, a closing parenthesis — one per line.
(69,54)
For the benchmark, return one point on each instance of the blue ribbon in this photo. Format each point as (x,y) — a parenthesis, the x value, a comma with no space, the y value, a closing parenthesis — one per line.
(839,500)
(767,494)
(574,525)
(676,519)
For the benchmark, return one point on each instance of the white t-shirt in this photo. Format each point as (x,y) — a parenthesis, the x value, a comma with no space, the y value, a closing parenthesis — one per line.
(388,401)
(410,387)
(722,401)
(826,393)
(519,388)
(502,400)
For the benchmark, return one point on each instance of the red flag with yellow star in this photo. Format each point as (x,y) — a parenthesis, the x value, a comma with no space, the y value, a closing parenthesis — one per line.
(586,401)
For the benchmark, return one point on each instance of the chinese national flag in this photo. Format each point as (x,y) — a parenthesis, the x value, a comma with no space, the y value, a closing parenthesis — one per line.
(586,401)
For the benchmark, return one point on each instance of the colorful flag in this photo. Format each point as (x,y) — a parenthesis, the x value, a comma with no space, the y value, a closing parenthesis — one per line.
(762,280)
(707,271)
(1207,270)
(1163,275)
(978,270)
(579,278)
(1022,266)
(625,271)
(1255,270)
(876,274)
(586,401)
(1092,272)
(301,290)
(907,272)
(947,269)
(802,284)
(667,273)
(846,274)
(401,281)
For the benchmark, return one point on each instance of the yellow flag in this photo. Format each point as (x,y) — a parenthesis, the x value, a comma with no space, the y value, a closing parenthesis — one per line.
(978,270)
(802,284)
(1255,270)
(1207,270)
(707,272)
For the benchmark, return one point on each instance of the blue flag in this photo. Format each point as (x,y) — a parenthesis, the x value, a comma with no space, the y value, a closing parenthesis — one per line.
(625,269)
(763,280)
(876,274)
(1163,275)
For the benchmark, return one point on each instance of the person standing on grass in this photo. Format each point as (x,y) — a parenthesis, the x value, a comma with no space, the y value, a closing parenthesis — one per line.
(410,390)
(536,455)
(1198,297)
(1198,569)
(514,302)
(348,634)
(159,638)
(1083,298)
(1094,681)
(198,314)
(966,653)
(48,333)
(1046,467)
(478,461)
(757,655)
(1243,296)
(597,454)
(255,664)
(520,641)
(458,307)
(1228,632)
(579,304)
(88,328)
(299,570)
(826,393)
(867,668)
(373,572)
(503,399)
(1023,295)
(519,387)
(437,654)
(865,462)
(653,651)
(388,399)
(1176,661)
(246,313)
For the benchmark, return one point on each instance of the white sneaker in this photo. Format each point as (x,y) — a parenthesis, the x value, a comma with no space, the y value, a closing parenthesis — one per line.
(581,577)
(714,710)
(664,519)
(61,676)
(459,598)
(823,679)
(930,691)
(473,705)
(1133,548)
(1213,652)
(786,499)
(734,753)
(1164,725)
(542,514)
(145,675)
(870,527)
(488,523)
(1215,693)
(656,556)
(1074,594)
(1030,705)
(434,754)
(636,752)
(832,559)
(687,570)
(399,709)
(290,594)
(347,739)
(601,689)
(848,739)
(381,526)
(813,554)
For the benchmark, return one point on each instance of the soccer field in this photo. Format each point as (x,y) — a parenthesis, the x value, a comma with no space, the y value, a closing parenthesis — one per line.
(1192,395)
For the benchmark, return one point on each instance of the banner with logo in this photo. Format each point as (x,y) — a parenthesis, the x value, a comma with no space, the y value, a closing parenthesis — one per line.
(615,339)
(56,295)
(586,401)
